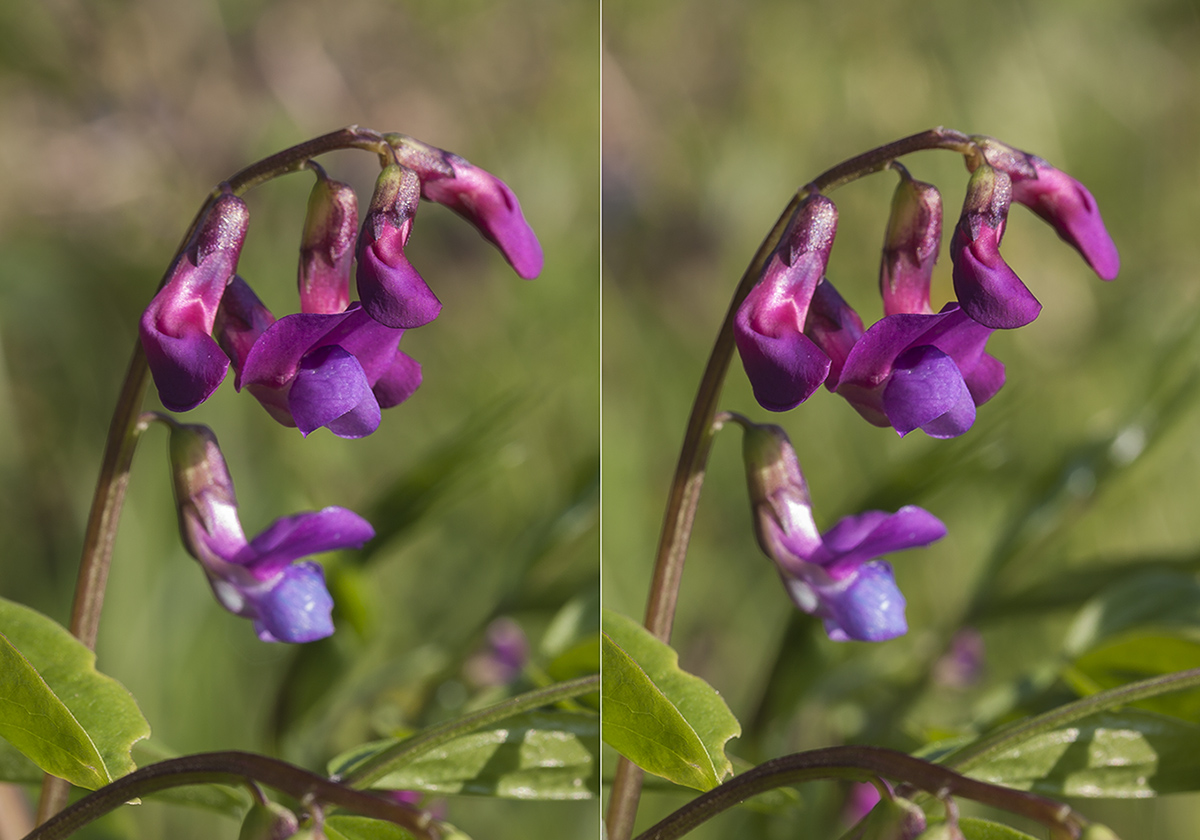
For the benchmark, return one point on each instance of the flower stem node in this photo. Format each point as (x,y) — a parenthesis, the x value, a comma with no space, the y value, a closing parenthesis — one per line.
(265,579)
(175,330)
(834,575)
(783,364)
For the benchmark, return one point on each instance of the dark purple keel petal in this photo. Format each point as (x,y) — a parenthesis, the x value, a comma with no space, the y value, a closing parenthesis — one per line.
(392,291)
(398,382)
(186,369)
(785,371)
(987,289)
(927,391)
(297,608)
(293,537)
(330,389)
(867,607)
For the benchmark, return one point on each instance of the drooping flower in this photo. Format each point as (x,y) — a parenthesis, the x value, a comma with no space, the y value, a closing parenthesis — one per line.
(265,579)
(987,289)
(1060,200)
(392,291)
(478,196)
(175,330)
(910,246)
(836,575)
(335,370)
(783,364)
(908,371)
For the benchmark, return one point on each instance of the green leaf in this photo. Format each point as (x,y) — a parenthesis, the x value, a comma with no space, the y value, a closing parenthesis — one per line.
(1118,755)
(363,828)
(665,720)
(537,755)
(57,709)
(1136,656)
(974,829)
(37,723)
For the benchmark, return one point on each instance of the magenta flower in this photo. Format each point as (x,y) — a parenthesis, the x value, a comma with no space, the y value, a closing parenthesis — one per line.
(187,365)
(1060,200)
(264,579)
(908,371)
(312,370)
(478,196)
(327,246)
(392,291)
(836,575)
(910,246)
(987,289)
(783,364)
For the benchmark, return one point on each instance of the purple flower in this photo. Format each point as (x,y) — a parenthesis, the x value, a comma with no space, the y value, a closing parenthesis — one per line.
(908,371)
(187,365)
(265,579)
(987,289)
(392,291)
(478,196)
(1060,200)
(311,370)
(834,575)
(784,366)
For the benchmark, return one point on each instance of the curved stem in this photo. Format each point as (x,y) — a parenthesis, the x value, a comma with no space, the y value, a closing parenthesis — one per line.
(231,768)
(109,496)
(380,764)
(864,764)
(697,441)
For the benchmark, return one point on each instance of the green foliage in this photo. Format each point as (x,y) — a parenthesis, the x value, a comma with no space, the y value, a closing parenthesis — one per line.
(663,719)
(975,829)
(363,828)
(71,720)
(538,755)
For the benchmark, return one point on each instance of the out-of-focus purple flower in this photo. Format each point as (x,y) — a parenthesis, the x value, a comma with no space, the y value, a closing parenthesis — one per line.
(311,370)
(264,579)
(783,364)
(392,291)
(327,246)
(908,371)
(962,665)
(910,246)
(504,655)
(987,289)
(834,575)
(478,196)
(1060,200)
(187,365)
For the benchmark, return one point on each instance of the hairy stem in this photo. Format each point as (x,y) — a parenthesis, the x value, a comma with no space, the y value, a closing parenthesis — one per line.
(697,441)
(232,768)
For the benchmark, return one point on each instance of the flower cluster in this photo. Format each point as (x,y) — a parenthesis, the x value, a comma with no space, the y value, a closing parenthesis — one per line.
(336,363)
(914,368)
(834,575)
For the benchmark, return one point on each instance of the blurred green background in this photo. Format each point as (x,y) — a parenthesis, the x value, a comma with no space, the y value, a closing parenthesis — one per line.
(1086,462)
(116,119)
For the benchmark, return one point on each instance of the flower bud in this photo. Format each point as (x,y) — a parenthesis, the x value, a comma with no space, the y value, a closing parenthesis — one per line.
(327,247)
(1095,831)
(783,364)
(478,196)
(187,365)
(910,246)
(269,821)
(391,290)
(987,289)
(1060,200)
(894,818)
